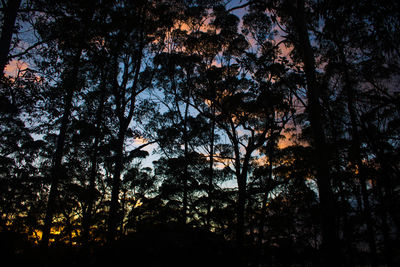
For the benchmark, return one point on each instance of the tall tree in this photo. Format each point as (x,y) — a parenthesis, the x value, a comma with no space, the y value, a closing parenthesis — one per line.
(315,111)
(297,20)
(244,107)
(350,43)
(133,39)
(10,11)
(71,44)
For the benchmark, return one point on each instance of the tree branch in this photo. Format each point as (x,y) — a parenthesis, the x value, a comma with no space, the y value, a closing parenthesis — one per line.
(241,6)
(142,146)
(26,50)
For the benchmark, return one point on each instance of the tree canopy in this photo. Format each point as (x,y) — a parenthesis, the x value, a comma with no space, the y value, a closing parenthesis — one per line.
(200,133)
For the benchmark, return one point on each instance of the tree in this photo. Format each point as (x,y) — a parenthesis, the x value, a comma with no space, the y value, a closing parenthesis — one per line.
(276,129)
(10,10)
(296,18)
(64,39)
(340,39)
(129,51)
(245,108)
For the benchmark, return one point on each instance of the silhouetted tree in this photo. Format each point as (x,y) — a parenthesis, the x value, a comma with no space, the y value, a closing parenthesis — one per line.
(10,11)
(69,44)
(273,128)
(133,36)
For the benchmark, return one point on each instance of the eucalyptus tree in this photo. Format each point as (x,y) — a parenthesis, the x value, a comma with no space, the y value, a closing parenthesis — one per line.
(89,150)
(179,131)
(10,12)
(297,20)
(20,179)
(336,38)
(244,98)
(58,23)
(133,38)
(189,48)
(365,62)
(93,131)
(20,92)
(342,57)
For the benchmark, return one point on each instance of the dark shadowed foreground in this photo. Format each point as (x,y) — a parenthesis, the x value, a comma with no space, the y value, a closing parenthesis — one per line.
(168,245)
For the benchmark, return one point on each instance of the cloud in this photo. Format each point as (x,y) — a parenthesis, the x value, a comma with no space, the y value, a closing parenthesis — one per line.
(140,141)
(15,67)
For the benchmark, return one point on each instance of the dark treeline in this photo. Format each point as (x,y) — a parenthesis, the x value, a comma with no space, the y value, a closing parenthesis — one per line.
(272,126)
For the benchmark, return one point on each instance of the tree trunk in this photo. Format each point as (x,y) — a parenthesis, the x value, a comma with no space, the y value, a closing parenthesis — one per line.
(356,157)
(124,121)
(186,167)
(87,220)
(113,218)
(342,199)
(330,247)
(266,188)
(70,84)
(388,172)
(10,15)
(382,211)
(241,179)
(211,173)
(242,187)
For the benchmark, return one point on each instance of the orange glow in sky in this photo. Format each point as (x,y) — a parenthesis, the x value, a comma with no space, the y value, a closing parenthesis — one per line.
(14,68)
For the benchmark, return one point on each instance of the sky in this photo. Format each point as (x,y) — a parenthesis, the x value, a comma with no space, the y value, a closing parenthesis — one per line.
(148,161)
(16,66)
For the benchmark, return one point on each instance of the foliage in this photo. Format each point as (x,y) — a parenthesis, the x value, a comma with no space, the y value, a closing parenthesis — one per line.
(259,133)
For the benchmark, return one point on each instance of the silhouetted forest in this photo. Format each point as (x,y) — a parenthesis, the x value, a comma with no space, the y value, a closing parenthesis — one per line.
(200,133)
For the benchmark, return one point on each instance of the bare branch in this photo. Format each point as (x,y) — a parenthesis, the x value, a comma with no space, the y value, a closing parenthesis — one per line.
(144,145)
(26,50)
